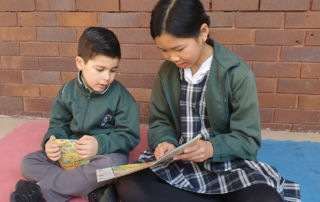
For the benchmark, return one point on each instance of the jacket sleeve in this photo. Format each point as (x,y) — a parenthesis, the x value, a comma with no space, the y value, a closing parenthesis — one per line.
(161,125)
(125,135)
(244,138)
(59,120)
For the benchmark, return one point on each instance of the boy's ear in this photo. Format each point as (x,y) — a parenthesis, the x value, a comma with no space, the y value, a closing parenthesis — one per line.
(204,32)
(80,63)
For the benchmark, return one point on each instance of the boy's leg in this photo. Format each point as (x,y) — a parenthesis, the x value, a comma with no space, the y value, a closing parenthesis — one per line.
(58,184)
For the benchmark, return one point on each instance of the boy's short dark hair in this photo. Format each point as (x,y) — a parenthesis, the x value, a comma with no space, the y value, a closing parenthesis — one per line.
(98,41)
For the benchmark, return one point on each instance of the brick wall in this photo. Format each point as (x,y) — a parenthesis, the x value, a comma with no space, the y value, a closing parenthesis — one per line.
(279,39)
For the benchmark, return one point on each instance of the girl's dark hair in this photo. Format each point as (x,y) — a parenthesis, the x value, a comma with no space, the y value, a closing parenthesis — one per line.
(98,41)
(180,18)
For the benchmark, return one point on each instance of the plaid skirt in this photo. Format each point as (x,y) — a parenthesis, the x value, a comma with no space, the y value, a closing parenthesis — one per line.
(221,178)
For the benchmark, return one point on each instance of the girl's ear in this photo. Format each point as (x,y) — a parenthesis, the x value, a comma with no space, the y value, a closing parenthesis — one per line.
(80,63)
(204,32)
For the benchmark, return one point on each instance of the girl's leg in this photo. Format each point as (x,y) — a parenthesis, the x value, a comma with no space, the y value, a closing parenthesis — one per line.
(254,193)
(58,184)
(145,186)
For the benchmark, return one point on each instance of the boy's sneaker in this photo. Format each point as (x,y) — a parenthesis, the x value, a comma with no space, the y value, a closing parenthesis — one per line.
(103,194)
(26,192)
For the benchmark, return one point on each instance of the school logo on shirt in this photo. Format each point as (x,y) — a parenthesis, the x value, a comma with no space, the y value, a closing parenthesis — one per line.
(107,119)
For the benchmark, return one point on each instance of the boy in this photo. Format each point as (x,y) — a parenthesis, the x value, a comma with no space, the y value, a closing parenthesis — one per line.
(94,109)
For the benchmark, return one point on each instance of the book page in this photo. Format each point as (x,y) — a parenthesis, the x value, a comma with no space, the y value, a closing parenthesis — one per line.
(118,171)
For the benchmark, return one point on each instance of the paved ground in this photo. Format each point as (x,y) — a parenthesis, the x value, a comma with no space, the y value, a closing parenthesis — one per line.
(8,123)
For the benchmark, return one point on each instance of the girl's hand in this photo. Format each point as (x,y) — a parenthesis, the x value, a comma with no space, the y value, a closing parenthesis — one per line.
(87,146)
(53,150)
(199,152)
(162,149)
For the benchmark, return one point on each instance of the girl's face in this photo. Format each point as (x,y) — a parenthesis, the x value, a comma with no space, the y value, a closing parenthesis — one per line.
(185,52)
(99,72)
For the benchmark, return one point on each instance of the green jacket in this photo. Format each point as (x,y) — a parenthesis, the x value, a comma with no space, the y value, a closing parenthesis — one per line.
(231,102)
(111,117)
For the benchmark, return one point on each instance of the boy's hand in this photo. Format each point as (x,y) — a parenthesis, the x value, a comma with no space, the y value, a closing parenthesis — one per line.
(87,146)
(162,149)
(199,152)
(53,150)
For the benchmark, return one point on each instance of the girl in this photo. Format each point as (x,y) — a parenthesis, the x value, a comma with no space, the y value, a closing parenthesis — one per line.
(202,88)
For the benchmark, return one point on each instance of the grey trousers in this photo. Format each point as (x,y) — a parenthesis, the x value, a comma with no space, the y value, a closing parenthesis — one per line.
(58,184)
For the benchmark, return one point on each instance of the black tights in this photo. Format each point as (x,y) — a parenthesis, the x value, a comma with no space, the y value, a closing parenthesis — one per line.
(144,186)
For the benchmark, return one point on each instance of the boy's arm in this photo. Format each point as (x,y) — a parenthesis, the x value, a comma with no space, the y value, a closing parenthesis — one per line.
(59,120)
(126,133)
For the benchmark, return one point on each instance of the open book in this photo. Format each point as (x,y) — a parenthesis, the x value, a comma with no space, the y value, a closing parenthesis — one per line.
(118,171)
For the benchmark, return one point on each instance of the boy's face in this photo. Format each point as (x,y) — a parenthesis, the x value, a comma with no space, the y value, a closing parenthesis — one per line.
(98,72)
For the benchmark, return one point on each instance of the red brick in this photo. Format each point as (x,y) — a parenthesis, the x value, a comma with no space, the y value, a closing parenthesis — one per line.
(297,116)
(80,19)
(235,5)
(55,5)
(143,5)
(266,85)
(221,19)
(150,52)
(8,103)
(145,109)
(67,76)
(306,128)
(145,19)
(303,20)
(206,4)
(37,19)
(304,86)
(23,113)
(17,5)
(57,64)
(310,70)
(19,90)
(276,70)
(316,5)
(33,77)
(259,19)
(68,49)
(9,48)
(98,5)
(130,80)
(271,100)
(130,51)
(17,34)
(284,5)
(276,126)
(33,104)
(233,36)
(49,91)
(140,66)
(280,37)
(313,38)
(140,94)
(18,62)
(135,36)
(39,49)
(257,53)
(119,19)
(300,54)
(10,76)
(11,19)
(309,102)
(148,80)
(266,115)
(59,34)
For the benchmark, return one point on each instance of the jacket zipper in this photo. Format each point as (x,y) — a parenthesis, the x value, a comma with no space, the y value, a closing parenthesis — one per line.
(85,113)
